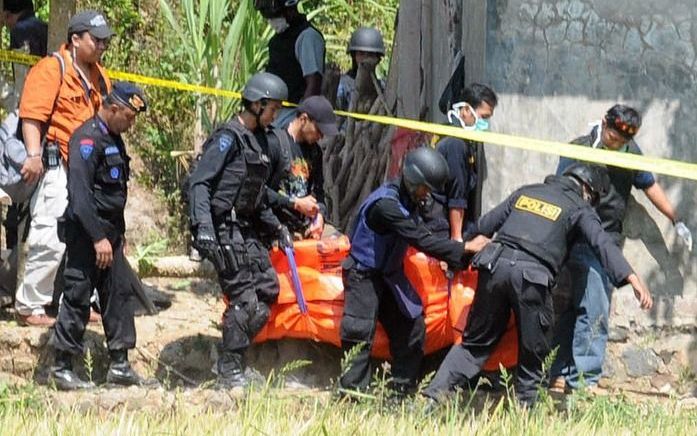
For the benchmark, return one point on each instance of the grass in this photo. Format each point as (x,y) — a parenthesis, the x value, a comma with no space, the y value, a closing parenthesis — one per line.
(270,412)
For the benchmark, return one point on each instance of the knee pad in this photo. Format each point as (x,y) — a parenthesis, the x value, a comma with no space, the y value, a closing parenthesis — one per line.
(258,316)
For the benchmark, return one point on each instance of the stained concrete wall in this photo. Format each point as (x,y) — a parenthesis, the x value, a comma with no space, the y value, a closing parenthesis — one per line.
(558,65)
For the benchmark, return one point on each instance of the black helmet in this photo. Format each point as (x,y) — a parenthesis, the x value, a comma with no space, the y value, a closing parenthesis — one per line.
(366,39)
(424,166)
(265,86)
(595,178)
(273,8)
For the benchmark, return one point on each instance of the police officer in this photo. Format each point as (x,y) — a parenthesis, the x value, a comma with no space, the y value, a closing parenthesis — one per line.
(296,51)
(93,231)
(228,204)
(375,286)
(365,45)
(457,208)
(534,229)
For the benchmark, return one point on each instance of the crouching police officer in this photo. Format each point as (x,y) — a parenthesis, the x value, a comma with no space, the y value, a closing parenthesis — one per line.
(534,229)
(93,231)
(375,285)
(228,204)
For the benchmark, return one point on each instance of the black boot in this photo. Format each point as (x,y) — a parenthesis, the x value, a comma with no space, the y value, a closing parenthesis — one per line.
(232,372)
(62,374)
(121,373)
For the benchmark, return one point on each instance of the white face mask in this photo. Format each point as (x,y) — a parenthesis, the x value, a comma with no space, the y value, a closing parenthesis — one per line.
(278,24)
(455,113)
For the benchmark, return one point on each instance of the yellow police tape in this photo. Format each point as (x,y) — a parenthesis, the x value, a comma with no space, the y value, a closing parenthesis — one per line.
(607,157)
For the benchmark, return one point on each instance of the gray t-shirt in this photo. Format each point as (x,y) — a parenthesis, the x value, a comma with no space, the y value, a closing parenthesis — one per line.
(309,50)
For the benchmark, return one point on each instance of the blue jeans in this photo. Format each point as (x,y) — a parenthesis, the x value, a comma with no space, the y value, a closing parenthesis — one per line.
(582,331)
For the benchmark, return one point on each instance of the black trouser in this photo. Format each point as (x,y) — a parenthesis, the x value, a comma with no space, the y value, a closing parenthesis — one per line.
(250,291)
(366,300)
(521,285)
(81,277)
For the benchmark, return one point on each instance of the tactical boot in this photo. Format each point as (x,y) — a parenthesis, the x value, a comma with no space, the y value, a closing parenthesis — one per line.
(231,372)
(63,377)
(121,373)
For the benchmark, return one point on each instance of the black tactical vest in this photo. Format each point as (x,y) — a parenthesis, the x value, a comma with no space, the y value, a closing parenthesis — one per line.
(282,60)
(613,206)
(540,221)
(249,169)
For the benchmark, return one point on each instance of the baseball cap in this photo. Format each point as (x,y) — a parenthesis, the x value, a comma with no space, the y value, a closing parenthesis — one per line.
(321,112)
(129,95)
(90,21)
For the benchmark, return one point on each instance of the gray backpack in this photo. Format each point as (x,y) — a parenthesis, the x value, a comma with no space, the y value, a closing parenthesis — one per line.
(12,157)
(13,153)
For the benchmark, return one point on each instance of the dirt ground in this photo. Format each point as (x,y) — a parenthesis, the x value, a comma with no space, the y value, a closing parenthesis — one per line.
(178,347)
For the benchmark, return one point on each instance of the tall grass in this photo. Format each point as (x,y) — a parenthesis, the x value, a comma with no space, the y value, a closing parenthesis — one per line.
(223,43)
(272,412)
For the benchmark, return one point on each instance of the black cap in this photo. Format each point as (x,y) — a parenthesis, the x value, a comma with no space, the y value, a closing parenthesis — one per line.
(17,6)
(90,21)
(321,112)
(129,95)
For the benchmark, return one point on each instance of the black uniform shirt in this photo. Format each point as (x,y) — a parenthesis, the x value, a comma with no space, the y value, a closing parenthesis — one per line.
(460,156)
(97,176)
(30,31)
(217,180)
(583,222)
(385,216)
(613,206)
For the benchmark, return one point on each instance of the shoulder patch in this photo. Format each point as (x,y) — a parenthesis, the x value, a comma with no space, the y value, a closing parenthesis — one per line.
(538,207)
(114,173)
(224,142)
(86,148)
(112,149)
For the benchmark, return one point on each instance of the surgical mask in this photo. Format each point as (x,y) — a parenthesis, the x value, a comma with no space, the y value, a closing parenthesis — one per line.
(278,24)
(480,124)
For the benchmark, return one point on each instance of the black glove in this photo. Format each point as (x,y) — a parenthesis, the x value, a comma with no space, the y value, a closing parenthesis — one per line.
(207,244)
(285,239)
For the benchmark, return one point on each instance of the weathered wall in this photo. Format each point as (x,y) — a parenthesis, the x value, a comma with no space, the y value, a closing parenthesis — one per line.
(558,65)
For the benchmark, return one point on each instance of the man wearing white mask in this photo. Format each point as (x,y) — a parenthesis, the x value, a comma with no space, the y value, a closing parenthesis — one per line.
(472,108)
(296,51)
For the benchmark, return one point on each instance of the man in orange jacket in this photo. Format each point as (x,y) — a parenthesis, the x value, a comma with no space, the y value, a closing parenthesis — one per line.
(60,93)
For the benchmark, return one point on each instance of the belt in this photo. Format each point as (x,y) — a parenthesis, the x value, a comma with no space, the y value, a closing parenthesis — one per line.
(515,254)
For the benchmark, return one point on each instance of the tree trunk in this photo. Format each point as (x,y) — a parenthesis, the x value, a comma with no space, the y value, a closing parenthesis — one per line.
(61,11)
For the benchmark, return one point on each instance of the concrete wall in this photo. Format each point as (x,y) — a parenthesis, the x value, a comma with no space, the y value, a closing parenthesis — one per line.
(558,65)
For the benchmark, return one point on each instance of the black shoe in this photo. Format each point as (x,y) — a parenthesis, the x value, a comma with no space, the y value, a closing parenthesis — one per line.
(231,381)
(66,380)
(121,373)
(233,373)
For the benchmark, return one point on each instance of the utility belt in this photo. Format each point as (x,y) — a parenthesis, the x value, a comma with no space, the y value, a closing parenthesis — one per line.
(70,230)
(231,233)
(490,255)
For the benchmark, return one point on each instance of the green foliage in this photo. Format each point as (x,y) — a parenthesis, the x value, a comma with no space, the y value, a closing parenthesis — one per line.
(218,43)
(220,50)
(337,19)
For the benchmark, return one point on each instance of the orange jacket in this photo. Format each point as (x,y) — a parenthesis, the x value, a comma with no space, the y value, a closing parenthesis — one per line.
(76,102)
